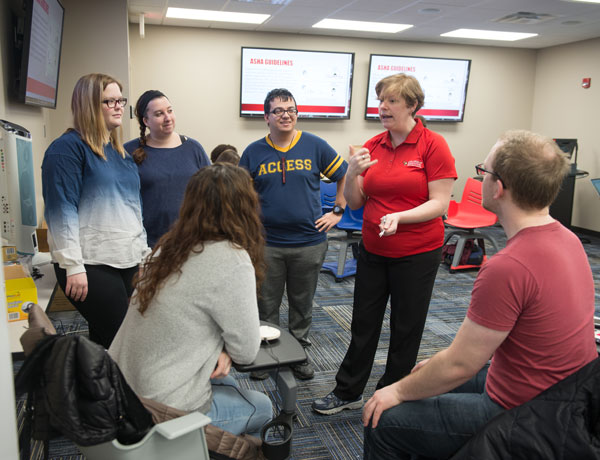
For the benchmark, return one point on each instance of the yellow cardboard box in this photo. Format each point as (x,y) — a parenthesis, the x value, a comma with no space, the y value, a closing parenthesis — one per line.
(20,290)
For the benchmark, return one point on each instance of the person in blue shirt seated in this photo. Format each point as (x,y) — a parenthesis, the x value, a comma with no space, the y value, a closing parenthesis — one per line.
(166,161)
(91,192)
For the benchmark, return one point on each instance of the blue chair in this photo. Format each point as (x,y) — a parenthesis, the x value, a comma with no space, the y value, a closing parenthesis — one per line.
(328,193)
(351,223)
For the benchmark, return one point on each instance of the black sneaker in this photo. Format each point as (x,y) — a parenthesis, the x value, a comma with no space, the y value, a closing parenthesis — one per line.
(331,404)
(259,375)
(303,371)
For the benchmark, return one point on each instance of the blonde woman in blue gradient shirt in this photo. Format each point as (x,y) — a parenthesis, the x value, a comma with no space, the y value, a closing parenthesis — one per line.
(91,192)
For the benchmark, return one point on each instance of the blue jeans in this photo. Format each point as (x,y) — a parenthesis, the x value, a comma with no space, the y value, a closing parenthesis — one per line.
(433,427)
(238,410)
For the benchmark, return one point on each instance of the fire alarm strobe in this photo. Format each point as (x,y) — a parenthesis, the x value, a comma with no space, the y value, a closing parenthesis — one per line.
(586,82)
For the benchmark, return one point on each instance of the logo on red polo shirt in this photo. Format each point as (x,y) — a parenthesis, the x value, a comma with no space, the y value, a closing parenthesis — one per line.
(414,164)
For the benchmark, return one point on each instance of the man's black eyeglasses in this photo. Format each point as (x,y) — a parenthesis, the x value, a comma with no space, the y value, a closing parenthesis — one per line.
(112,103)
(278,112)
(481,171)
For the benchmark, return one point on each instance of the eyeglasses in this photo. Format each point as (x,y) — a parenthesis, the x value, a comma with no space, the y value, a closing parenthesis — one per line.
(278,112)
(112,103)
(481,171)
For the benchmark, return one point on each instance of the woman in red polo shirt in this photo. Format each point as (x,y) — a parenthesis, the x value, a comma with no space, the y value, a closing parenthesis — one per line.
(403,177)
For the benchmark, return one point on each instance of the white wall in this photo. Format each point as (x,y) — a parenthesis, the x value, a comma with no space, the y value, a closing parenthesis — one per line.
(563,109)
(199,70)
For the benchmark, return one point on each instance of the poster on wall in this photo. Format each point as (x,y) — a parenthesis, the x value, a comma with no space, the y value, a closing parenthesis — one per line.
(444,82)
(321,81)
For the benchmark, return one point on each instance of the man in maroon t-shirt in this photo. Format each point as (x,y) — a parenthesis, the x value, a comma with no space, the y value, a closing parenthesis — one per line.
(531,310)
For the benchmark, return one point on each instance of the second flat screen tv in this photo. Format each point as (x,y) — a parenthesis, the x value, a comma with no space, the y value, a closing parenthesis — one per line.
(320,81)
(444,82)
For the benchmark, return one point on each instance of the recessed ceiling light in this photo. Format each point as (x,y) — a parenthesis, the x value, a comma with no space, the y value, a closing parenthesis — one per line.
(211,15)
(586,1)
(488,35)
(362,26)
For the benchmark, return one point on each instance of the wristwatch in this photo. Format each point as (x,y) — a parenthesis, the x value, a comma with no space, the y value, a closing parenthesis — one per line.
(338,210)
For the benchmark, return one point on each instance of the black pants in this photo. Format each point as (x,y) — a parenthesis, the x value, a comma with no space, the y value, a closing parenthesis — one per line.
(107,300)
(409,281)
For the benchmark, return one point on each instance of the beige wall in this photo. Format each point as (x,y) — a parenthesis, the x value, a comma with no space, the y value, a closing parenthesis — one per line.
(95,40)
(562,108)
(199,69)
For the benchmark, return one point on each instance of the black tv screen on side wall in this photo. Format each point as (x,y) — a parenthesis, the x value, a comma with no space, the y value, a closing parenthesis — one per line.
(40,55)
(444,82)
(321,81)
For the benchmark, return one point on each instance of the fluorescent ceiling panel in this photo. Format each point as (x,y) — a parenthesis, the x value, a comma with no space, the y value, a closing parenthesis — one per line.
(362,26)
(211,15)
(487,35)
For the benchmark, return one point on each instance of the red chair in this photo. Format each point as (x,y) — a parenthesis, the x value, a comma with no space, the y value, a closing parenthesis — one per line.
(465,217)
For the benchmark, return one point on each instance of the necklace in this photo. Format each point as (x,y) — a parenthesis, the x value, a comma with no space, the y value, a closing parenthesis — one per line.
(282,160)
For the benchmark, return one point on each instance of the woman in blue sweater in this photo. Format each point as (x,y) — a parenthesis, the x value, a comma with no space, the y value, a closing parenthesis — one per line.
(91,192)
(166,161)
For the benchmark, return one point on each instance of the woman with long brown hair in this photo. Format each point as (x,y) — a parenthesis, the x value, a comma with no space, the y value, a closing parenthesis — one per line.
(194,309)
(91,193)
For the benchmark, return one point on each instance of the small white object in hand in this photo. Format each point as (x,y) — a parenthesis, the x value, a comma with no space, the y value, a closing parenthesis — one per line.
(383,222)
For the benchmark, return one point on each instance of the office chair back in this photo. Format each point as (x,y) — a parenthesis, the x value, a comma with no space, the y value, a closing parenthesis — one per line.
(351,220)
(328,193)
(469,212)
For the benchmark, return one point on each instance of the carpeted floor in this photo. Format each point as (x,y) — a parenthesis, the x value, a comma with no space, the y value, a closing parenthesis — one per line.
(340,436)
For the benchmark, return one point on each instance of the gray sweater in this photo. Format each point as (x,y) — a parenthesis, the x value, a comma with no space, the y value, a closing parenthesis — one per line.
(169,353)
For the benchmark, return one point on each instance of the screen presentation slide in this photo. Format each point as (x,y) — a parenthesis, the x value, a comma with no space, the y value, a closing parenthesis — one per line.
(444,82)
(44,52)
(320,81)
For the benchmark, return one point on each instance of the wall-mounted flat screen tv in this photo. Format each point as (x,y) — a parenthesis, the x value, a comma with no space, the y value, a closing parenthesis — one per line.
(321,81)
(40,57)
(444,82)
